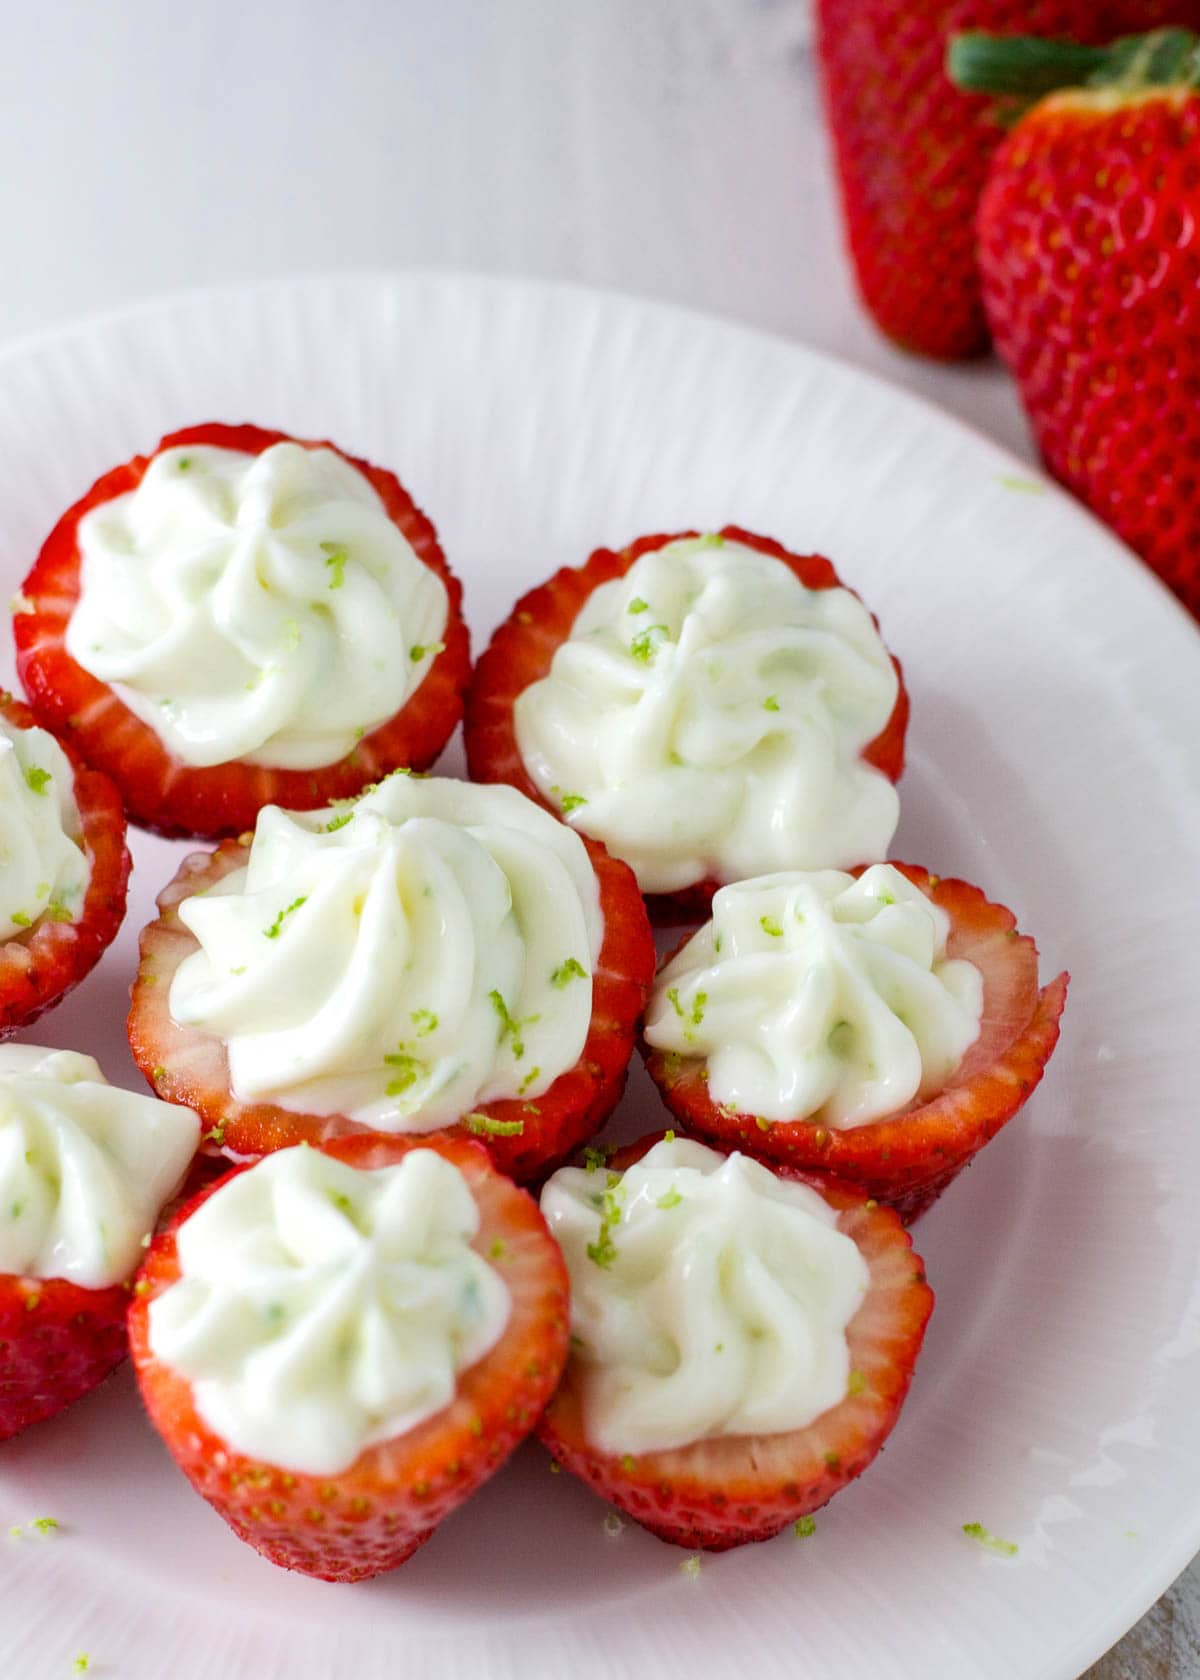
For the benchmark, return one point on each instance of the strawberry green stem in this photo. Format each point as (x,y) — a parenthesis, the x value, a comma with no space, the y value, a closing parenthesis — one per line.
(1028,66)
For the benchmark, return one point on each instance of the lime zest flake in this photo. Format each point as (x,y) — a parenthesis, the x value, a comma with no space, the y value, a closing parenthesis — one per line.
(671,1199)
(36,779)
(425,1022)
(597,1157)
(409,1069)
(82,1663)
(276,926)
(498,1249)
(637,605)
(989,1541)
(803,1527)
(486,1125)
(711,539)
(690,1567)
(770,704)
(856,1383)
(335,562)
(771,925)
(418,650)
(216,1134)
(1015,481)
(567,971)
(568,802)
(690,1021)
(644,647)
(534,1073)
(603,1251)
(20,919)
(510,1026)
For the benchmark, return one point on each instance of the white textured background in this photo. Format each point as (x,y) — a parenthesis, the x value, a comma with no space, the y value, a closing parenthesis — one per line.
(669,147)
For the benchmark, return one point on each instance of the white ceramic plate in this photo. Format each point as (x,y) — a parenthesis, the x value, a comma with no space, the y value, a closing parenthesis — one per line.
(1055,691)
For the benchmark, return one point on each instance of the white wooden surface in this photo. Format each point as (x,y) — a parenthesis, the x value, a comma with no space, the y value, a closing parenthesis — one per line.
(668,147)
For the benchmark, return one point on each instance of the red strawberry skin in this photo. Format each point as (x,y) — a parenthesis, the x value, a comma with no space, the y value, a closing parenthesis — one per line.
(186,1065)
(374,1515)
(912,152)
(58,1341)
(908,1161)
(725,1492)
(176,799)
(39,967)
(522,649)
(1089,246)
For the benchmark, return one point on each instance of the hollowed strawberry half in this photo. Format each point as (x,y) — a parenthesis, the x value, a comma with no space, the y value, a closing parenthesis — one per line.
(40,966)
(725,1491)
(159,791)
(522,649)
(525,1137)
(910,1158)
(372,1516)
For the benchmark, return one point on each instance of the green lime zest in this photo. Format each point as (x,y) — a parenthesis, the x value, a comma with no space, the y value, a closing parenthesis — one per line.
(644,646)
(568,802)
(20,919)
(771,925)
(637,605)
(568,971)
(36,779)
(335,562)
(593,1158)
(989,1541)
(485,1125)
(425,1022)
(276,926)
(770,704)
(804,1526)
(671,1199)
(418,650)
(510,1026)
(409,1069)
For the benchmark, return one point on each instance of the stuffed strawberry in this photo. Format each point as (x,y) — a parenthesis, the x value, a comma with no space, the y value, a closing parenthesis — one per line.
(243,618)
(1089,246)
(742,1338)
(707,706)
(879,1027)
(912,152)
(338,1345)
(434,955)
(85,1170)
(64,867)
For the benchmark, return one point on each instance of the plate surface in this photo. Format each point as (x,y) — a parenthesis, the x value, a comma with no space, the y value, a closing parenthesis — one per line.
(1052,760)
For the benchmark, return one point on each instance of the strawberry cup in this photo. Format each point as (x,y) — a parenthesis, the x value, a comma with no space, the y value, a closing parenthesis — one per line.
(710,707)
(85,1171)
(502,1003)
(65,872)
(742,1338)
(243,618)
(880,1027)
(436,1301)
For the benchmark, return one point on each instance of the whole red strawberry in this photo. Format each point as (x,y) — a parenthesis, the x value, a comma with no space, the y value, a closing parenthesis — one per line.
(912,151)
(1090,255)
